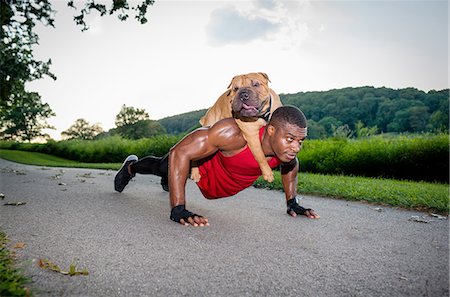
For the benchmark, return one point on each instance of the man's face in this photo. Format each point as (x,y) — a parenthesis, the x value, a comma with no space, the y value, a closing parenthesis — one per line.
(287,141)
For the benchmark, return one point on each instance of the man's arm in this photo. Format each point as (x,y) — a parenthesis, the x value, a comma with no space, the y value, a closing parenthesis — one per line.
(289,178)
(201,143)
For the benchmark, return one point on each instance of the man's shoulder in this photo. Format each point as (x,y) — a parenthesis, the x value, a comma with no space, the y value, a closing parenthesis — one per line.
(226,134)
(228,124)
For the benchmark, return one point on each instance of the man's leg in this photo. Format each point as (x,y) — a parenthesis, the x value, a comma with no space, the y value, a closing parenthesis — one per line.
(153,165)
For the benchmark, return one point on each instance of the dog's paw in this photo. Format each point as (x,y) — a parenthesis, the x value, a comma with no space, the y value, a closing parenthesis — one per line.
(268,176)
(195,174)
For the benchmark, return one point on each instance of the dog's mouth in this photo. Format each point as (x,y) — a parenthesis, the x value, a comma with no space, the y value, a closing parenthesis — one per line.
(247,104)
(249,108)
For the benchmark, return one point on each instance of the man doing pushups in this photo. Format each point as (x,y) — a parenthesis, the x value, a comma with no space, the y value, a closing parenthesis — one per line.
(225,162)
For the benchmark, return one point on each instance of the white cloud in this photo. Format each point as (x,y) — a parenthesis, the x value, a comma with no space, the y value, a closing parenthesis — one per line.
(286,23)
(228,25)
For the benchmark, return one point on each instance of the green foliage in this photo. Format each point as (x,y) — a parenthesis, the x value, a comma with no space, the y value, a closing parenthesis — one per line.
(141,129)
(25,119)
(389,110)
(22,114)
(407,194)
(415,157)
(81,129)
(107,150)
(12,282)
(120,6)
(129,115)
(182,123)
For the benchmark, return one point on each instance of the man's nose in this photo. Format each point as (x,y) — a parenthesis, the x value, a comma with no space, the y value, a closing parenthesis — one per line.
(296,146)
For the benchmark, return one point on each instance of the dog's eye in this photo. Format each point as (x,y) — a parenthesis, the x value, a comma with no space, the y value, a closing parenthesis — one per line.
(235,89)
(256,84)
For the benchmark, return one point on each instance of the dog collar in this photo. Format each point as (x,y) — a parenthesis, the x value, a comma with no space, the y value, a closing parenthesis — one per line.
(266,114)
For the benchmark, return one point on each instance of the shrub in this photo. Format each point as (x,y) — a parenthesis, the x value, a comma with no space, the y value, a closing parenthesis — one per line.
(415,157)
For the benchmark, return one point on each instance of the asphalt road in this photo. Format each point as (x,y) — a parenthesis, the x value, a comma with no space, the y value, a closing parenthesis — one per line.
(252,248)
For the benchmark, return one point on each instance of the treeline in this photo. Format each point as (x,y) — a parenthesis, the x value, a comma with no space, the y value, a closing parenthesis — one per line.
(388,110)
(182,123)
(349,111)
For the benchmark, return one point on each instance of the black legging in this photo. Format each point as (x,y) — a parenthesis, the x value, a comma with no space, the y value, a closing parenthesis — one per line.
(154,165)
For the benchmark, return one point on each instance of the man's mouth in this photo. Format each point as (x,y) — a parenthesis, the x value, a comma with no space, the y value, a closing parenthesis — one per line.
(291,156)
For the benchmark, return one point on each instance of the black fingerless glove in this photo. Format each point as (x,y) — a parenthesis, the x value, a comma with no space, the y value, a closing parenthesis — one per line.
(292,205)
(180,212)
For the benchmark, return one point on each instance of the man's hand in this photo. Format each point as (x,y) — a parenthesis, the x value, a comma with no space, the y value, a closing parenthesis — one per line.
(294,209)
(183,216)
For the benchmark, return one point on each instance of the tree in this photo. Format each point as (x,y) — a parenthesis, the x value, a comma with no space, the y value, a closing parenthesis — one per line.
(130,115)
(26,119)
(81,129)
(17,38)
(141,129)
(362,131)
(134,123)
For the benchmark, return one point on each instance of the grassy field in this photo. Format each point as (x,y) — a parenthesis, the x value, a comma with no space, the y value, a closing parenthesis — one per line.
(433,197)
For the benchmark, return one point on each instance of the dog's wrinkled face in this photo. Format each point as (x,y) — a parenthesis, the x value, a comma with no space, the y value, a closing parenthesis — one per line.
(250,95)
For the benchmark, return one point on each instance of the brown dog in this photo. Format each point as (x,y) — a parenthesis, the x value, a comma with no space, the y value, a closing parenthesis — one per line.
(251,102)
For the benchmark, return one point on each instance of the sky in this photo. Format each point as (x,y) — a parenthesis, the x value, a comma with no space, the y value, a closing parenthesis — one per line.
(185,56)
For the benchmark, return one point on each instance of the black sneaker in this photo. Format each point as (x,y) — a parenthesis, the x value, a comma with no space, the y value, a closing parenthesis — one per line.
(123,177)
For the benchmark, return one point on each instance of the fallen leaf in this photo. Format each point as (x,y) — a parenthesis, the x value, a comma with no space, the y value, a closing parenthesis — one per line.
(378,209)
(19,245)
(86,175)
(62,184)
(439,217)
(47,264)
(15,203)
(2,196)
(418,219)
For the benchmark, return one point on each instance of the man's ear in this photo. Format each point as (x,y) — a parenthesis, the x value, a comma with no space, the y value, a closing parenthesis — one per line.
(270,130)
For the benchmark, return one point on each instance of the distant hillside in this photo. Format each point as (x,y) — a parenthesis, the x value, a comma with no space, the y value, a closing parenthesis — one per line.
(182,123)
(390,110)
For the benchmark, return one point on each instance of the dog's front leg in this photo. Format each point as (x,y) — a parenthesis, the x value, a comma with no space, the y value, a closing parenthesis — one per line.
(250,131)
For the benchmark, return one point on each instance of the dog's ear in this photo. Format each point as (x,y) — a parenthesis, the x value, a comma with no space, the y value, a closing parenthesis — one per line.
(231,82)
(265,76)
(229,86)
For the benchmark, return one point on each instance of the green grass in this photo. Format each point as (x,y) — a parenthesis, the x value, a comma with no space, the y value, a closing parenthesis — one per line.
(12,282)
(406,194)
(424,196)
(40,159)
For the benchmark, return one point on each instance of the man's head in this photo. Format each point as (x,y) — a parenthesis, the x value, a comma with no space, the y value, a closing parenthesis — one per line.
(287,130)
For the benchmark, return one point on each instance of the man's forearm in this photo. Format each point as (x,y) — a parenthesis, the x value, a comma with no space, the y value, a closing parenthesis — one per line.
(289,179)
(179,166)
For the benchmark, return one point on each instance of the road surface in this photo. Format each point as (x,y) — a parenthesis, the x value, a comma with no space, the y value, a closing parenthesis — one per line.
(252,248)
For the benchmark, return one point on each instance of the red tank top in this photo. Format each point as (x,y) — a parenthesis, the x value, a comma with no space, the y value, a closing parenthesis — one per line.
(224,176)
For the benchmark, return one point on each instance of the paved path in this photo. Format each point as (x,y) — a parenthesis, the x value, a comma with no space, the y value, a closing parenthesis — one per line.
(252,248)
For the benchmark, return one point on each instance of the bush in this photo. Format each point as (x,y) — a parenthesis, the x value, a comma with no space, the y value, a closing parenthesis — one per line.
(107,150)
(414,157)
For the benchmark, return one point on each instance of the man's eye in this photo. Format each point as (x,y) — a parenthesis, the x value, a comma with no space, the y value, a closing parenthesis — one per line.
(290,139)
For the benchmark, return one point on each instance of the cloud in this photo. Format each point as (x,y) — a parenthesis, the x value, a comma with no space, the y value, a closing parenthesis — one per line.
(286,23)
(228,25)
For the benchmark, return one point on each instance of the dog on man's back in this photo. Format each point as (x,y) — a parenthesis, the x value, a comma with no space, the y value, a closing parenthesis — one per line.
(251,102)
